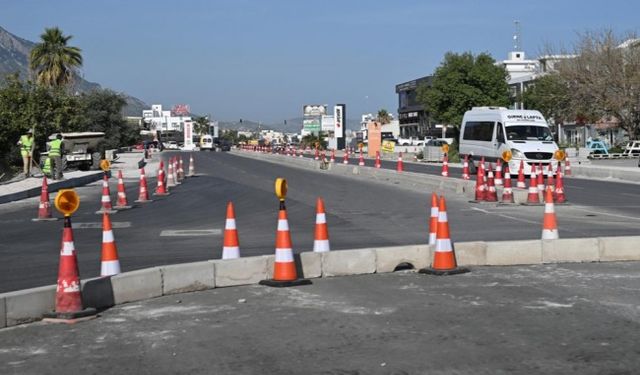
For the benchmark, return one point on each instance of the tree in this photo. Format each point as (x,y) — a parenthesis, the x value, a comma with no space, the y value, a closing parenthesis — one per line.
(52,61)
(463,81)
(312,140)
(550,95)
(101,111)
(604,78)
(383,116)
(201,125)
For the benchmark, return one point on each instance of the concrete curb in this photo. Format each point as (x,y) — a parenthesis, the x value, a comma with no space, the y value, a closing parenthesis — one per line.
(29,305)
(53,187)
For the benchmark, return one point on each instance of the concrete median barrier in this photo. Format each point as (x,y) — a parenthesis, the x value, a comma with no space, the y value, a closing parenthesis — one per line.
(571,250)
(502,253)
(137,285)
(348,262)
(471,253)
(311,265)
(187,277)
(619,248)
(241,271)
(29,305)
(388,258)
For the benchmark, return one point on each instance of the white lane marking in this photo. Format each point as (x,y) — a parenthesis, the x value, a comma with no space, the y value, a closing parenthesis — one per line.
(96,225)
(190,232)
(605,214)
(630,194)
(504,216)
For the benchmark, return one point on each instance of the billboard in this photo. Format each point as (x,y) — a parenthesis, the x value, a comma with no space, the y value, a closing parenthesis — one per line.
(328,125)
(314,110)
(340,118)
(311,125)
(312,117)
(181,110)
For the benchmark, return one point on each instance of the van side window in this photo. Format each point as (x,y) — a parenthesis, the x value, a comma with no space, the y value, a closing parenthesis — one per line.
(500,133)
(479,131)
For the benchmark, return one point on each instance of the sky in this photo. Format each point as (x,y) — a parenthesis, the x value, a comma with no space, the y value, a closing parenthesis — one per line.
(262,60)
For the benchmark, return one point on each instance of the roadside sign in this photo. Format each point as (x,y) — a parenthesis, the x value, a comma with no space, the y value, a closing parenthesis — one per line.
(388,146)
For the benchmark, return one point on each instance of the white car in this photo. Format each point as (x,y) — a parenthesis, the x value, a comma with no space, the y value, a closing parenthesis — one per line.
(171,145)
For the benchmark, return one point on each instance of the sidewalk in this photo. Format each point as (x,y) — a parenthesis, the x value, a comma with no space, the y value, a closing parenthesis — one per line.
(31,187)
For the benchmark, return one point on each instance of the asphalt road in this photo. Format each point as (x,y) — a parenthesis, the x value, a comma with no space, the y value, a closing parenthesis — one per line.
(551,319)
(360,214)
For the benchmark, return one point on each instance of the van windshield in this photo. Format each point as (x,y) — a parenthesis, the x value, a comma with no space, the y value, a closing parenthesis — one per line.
(528,133)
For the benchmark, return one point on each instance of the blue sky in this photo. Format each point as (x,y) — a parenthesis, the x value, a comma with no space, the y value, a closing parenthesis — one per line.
(262,60)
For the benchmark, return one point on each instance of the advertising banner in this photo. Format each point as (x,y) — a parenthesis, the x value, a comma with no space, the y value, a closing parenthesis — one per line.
(374,138)
(339,118)
(388,146)
(311,125)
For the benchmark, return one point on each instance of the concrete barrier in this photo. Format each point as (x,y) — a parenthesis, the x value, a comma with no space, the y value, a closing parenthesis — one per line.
(571,250)
(3,313)
(471,253)
(137,285)
(619,248)
(29,305)
(241,271)
(348,262)
(188,277)
(388,258)
(311,264)
(502,253)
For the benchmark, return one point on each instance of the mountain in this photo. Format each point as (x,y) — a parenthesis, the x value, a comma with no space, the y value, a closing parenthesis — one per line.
(14,57)
(293,125)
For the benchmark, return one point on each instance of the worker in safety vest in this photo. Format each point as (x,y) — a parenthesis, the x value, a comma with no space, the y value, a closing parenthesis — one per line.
(26,144)
(55,153)
(46,168)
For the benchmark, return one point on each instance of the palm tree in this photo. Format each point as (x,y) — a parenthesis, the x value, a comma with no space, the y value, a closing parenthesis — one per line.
(384,117)
(52,61)
(201,125)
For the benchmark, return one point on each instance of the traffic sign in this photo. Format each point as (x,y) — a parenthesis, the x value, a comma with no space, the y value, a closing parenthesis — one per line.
(67,201)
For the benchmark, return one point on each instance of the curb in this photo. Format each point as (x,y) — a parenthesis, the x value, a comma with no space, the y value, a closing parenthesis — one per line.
(29,305)
(53,187)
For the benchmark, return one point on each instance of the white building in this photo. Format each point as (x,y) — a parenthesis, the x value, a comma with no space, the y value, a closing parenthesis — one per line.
(165,121)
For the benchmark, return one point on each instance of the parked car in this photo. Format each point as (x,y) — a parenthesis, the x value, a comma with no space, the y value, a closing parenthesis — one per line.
(171,145)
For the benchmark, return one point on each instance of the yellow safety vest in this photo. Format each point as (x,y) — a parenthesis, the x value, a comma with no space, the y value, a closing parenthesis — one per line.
(26,143)
(46,169)
(54,147)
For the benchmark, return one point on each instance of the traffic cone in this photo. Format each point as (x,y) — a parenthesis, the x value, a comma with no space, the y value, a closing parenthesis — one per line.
(44,207)
(143,195)
(567,168)
(444,258)
(160,188)
(333,156)
(324,157)
(175,171)
(445,166)
(180,169)
(465,168)
(481,192)
(521,184)
(400,165)
(533,197)
(361,161)
(540,178)
(109,265)
(231,243)
(550,181)
(492,194)
(498,178)
(106,198)
(321,236)
(317,155)
(378,164)
(171,182)
(300,154)
(549,224)
(121,202)
(192,167)
(507,192)
(345,158)
(284,267)
(559,191)
(69,307)
(433,219)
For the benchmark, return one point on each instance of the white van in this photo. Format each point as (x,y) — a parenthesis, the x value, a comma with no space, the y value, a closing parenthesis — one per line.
(489,131)
(206,143)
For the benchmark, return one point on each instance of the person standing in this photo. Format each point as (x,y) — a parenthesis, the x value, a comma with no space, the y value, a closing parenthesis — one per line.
(26,150)
(55,153)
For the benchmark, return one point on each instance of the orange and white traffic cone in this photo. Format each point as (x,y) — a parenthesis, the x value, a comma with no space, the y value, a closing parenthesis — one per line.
(533,197)
(444,257)
(69,307)
(284,267)
(492,194)
(333,156)
(231,243)
(321,235)
(143,194)
(507,191)
(550,181)
(171,182)
(180,169)
(106,198)
(567,168)
(317,154)
(192,167)
(378,163)
(433,219)
(175,171)
(400,165)
(109,264)
(361,160)
(121,202)
(559,191)
(498,177)
(465,168)
(300,153)
(345,158)
(540,176)
(445,166)
(160,187)
(481,192)
(521,184)
(44,207)
(549,224)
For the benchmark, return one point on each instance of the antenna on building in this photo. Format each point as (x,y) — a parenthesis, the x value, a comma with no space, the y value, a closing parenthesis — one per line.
(516,37)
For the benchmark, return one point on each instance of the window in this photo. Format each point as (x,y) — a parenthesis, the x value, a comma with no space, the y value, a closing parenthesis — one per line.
(478,131)
(528,133)
(500,133)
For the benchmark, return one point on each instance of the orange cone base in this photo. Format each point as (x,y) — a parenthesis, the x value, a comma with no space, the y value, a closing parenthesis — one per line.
(110,212)
(161,194)
(45,219)
(70,317)
(285,284)
(453,271)
(143,201)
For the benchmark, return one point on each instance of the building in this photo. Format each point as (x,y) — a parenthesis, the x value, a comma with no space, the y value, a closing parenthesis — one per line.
(413,118)
(165,121)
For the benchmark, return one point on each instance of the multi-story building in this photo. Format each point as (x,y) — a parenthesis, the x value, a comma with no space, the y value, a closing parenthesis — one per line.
(413,118)
(165,121)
